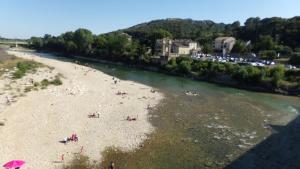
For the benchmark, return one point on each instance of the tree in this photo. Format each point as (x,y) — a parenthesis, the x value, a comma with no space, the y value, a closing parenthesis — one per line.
(144,53)
(265,42)
(207,48)
(68,36)
(250,31)
(160,34)
(117,46)
(157,34)
(83,39)
(70,47)
(254,74)
(172,65)
(185,66)
(240,47)
(277,75)
(241,74)
(36,42)
(268,54)
(285,50)
(295,59)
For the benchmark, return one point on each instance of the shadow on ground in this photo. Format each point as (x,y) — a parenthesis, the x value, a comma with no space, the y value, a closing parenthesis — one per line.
(279,151)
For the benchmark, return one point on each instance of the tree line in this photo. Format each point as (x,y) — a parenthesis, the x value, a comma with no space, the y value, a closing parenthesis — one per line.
(114,46)
(266,37)
(241,75)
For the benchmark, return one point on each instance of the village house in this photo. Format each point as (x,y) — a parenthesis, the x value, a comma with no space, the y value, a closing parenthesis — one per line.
(224,44)
(167,48)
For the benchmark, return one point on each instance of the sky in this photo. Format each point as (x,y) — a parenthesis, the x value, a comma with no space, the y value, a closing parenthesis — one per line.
(26,18)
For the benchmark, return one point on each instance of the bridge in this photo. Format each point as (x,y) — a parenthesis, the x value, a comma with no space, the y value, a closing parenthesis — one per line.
(14,43)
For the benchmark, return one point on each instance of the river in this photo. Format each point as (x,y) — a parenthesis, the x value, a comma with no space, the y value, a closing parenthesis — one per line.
(209,130)
(212,129)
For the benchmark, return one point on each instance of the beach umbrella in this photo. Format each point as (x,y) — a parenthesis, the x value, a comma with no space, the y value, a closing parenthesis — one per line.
(14,164)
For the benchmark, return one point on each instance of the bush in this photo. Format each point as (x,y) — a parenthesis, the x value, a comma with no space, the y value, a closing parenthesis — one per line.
(56,81)
(277,75)
(28,89)
(45,83)
(18,74)
(185,66)
(254,74)
(268,54)
(36,84)
(241,74)
(285,51)
(23,68)
(295,59)
(230,68)
(172,65)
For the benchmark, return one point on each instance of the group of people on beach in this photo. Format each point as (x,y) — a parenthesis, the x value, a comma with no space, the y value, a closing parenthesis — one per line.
(121,93)
(94,115)
(131,118)
(115,80)
(74,138)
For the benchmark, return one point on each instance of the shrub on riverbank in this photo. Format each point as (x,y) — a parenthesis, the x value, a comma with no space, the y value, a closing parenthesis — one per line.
(24,67)
(44,84)
(81,162)
(274,77)
(56,81)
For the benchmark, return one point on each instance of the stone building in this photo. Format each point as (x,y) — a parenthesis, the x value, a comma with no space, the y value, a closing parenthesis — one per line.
(224,44)
(167,48)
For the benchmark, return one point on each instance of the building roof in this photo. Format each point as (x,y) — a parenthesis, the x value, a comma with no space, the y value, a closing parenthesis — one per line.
(183,42)
(223,39)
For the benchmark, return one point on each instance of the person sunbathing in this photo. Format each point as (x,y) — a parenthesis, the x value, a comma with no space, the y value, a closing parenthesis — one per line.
(121,93)
(94,115)
(74,137)
(131,119)
(91,115)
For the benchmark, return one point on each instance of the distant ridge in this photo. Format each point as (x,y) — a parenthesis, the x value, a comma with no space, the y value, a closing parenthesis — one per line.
(179,28)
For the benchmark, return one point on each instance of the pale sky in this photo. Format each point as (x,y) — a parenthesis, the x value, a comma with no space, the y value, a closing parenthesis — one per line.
(26,18)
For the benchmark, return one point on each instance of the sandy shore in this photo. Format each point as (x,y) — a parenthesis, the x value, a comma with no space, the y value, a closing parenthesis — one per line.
(35,124)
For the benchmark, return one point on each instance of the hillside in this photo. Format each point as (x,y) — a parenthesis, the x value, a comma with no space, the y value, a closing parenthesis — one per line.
(281,32)
(179,28)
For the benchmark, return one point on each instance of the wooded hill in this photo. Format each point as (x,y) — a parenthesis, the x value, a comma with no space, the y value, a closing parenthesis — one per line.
(269,34)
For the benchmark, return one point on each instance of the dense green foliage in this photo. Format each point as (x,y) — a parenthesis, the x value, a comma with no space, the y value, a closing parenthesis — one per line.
(275,77)
(295,59)
(117,46)
(278,34)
